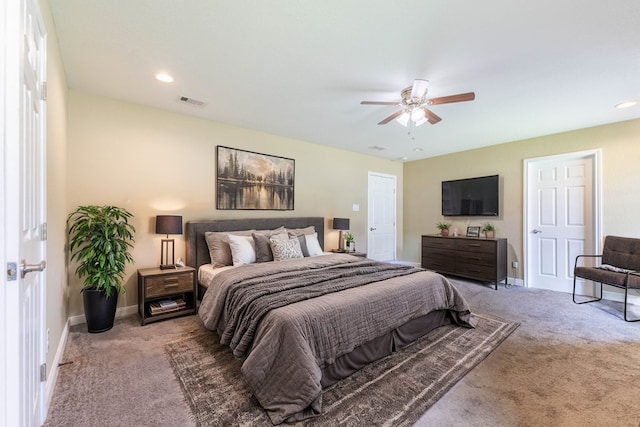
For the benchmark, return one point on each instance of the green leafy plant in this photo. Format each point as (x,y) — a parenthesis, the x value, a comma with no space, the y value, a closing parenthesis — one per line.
(99,239)
(488,227)
(348,238)
(443,225)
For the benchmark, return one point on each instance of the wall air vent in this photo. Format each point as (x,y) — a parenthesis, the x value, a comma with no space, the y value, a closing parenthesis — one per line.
(191,101)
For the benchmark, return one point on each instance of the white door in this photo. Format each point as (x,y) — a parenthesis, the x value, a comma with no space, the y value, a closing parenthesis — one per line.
(562,217)
(381,236)
(23,214)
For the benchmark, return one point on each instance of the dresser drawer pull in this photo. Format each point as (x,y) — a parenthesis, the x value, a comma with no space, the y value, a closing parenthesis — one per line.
(171,281)
(474,245)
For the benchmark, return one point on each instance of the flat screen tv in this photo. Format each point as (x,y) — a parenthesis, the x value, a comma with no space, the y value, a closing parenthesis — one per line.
(471,197)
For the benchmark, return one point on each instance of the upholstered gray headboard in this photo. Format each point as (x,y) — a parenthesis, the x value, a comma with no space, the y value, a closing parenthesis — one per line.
(196,246)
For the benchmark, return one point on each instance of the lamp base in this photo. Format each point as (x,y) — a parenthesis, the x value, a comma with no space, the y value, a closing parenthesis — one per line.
(168,267)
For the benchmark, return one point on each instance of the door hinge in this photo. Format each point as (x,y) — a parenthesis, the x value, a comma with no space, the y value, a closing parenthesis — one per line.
(12,271)
(43,372)
(43,91)
(43,231)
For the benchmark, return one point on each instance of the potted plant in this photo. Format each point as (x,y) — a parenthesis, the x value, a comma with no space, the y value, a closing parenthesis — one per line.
(444,228)
(489,230)
(99,240)
(348,238)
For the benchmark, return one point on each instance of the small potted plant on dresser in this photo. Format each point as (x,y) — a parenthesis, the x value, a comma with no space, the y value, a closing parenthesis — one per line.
(489,230)
(444,228)
(99,240)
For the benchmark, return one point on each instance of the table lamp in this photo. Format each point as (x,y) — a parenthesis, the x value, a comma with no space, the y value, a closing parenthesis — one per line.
(341,224)
(168,224)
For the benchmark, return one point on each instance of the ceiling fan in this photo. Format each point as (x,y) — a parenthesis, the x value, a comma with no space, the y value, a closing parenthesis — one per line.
(414,104)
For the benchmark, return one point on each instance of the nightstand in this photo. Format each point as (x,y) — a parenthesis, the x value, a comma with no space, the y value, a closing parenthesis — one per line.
(163,294)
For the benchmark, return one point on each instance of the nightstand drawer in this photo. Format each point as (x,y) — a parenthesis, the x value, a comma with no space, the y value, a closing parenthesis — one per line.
(168,284)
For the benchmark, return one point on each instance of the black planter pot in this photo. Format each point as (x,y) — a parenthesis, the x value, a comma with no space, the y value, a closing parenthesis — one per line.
(99,310)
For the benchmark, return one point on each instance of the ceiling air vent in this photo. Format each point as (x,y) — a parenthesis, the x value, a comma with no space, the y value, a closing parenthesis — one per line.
(192,101)
(377,148)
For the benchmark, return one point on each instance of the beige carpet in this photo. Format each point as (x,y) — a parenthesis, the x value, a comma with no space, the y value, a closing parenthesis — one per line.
(565,365)
(394,391)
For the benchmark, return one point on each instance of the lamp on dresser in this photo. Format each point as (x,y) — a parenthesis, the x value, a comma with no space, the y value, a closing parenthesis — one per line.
(168,224)
(341,224)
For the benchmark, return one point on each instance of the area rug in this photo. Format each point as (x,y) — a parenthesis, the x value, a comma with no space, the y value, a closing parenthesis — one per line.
(394,391)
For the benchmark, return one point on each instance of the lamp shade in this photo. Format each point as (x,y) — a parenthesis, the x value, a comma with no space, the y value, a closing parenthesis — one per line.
(168,224)
(340,223)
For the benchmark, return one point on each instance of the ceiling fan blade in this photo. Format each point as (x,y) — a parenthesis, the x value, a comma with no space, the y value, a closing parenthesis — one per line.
(432,117)
(391,117)
(469,96)
(379,103)
(419,88)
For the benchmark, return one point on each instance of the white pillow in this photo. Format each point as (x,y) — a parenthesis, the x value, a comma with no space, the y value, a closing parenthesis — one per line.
(313,246)
(285,249)
(243,249)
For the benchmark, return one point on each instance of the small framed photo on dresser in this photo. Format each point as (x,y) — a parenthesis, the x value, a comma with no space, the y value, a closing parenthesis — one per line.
(473,231)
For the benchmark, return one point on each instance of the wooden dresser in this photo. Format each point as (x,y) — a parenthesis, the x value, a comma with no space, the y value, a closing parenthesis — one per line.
(472,257)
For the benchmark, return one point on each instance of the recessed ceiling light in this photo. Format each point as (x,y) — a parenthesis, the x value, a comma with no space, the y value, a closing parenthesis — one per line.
(418,149)
(164,77)
(626,104)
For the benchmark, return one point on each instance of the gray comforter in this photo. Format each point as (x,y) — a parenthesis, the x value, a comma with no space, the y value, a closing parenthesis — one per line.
(288,328)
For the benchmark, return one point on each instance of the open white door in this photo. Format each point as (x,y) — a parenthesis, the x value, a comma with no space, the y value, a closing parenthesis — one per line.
(23,215)
(381,237)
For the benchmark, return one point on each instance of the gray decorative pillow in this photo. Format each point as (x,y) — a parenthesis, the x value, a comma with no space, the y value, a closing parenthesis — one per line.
(300,233)
(263,246)
(303,245)
(285,249)
(219,249)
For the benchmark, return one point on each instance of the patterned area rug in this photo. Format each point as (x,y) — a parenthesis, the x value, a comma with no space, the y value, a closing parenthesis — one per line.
(394,391)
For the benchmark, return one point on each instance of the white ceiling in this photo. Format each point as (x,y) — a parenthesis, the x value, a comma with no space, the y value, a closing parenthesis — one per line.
(299,69)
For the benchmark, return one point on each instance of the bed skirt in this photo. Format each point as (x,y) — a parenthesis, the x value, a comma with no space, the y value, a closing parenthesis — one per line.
(382,346)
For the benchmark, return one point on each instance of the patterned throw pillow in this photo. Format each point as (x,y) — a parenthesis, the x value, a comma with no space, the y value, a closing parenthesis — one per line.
(285,249)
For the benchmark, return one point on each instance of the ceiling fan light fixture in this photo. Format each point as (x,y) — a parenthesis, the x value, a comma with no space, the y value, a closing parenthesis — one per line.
(422,121)
(417,114)
(404,119)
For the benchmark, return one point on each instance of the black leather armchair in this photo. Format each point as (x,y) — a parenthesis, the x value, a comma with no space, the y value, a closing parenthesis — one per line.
(619,267)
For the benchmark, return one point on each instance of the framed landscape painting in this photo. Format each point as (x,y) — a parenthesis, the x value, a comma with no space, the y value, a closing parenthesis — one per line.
(248,180)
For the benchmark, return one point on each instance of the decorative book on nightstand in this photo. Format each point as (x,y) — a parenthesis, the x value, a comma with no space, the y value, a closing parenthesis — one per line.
(163,294)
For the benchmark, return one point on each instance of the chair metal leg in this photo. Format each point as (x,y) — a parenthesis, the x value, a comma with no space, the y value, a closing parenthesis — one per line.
(588,301)
(626,291)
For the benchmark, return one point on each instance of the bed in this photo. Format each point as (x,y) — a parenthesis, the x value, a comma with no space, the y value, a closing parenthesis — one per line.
(300,324)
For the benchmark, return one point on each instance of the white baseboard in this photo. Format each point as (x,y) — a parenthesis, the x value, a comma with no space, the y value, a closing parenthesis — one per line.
(514,281)
(619,297)
(53,369)
(120,312)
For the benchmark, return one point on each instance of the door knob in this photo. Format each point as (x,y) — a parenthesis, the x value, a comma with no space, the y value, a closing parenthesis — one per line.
(372,229)
(28,268)
(535,231)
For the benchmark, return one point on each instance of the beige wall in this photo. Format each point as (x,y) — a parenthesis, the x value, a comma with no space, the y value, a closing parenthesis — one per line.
(153,162)
(620,183)
(56,272)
